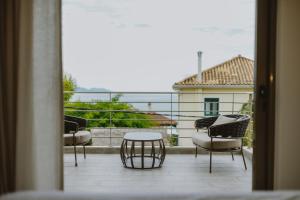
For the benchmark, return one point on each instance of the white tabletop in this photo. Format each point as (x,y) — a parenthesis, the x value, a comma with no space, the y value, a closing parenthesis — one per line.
(143,136)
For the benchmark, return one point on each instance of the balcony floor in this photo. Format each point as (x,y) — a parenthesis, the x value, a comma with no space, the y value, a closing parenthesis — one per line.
(105,173)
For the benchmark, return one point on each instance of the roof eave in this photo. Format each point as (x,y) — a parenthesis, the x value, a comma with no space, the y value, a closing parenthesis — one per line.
(178,87)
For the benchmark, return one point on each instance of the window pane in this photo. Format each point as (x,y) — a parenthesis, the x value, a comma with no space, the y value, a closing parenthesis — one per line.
(211,106)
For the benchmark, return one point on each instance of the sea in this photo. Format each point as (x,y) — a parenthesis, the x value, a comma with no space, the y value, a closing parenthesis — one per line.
(143,102)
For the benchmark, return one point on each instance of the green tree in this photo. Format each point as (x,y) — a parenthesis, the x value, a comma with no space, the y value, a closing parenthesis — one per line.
(69,86)
(247,109)
(98,114)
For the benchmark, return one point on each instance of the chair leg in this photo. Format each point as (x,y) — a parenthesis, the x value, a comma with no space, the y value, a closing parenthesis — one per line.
(210,153)
(242,152)
(210,159)
(75,153)
(232,156)
(84,152)
(196,152)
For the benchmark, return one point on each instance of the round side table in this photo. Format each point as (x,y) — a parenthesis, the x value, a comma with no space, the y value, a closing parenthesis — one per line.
(133,149)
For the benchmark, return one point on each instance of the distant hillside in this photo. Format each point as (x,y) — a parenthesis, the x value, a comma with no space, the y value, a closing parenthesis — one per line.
(81,89)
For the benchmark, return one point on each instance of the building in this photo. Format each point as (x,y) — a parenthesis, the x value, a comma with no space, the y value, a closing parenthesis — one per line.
(161,120)
(221,89)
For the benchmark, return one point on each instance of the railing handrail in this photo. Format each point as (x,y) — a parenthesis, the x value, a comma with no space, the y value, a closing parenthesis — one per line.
(174,102)
(135,92)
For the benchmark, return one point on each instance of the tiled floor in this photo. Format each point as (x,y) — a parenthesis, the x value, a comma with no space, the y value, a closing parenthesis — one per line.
(105,173)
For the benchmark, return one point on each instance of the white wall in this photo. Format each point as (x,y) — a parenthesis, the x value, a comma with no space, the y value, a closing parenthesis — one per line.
(194,109)
(287,139)
(226,97)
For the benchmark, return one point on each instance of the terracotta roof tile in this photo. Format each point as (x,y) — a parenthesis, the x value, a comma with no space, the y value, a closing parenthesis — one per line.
(161,120)
(236,71)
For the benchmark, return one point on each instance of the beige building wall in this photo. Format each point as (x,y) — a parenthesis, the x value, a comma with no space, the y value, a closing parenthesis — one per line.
(188,106)
(192,104)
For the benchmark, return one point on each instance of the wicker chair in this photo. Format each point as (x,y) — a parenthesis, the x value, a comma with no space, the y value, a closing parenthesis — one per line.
(226,137)
(75,134)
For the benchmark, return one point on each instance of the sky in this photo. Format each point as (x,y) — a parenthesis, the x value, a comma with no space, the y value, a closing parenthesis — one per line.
(148,45)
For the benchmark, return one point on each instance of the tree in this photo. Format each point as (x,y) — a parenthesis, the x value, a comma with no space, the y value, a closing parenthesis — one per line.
(98,112)
(69,86)
(247,109)
(109,114)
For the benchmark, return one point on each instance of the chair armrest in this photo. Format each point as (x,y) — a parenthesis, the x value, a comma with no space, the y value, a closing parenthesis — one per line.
(229,130)
(70,127)
(204,122)
(82,123)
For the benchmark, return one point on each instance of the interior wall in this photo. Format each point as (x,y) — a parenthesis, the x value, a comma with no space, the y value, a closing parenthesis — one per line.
(287,124)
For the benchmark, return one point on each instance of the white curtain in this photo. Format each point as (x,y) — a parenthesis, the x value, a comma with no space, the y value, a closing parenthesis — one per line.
(39,160)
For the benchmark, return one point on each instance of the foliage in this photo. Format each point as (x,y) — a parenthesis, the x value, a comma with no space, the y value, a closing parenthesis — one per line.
(69,85)
(247,109)
(173,139)
(97,115)
(96,111)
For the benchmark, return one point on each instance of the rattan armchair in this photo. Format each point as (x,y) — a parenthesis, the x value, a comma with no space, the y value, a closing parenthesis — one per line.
(226,137)
(81,122)
(75,134)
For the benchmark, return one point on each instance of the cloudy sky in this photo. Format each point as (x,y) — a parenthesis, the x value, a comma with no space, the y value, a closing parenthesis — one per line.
(147,45)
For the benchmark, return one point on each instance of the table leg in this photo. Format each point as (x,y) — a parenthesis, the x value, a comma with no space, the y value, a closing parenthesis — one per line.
(126,148)
(121,154)
(134,153)
(153,154)
(160,149)
(131,154)
(142,157)
(163,152)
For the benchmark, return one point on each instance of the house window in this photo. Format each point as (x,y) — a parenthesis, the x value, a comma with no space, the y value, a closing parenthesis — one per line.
(211,106)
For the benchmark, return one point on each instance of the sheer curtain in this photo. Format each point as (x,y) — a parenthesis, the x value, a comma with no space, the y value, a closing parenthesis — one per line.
(31,103)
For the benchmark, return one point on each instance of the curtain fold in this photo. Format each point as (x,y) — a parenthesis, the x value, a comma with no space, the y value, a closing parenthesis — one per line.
(31,103)
(8,93)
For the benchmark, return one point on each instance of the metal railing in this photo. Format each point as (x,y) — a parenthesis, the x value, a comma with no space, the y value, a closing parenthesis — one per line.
(172,113)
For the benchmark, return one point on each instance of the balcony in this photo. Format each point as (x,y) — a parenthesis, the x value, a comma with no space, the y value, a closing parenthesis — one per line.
(105,173)
(102,171)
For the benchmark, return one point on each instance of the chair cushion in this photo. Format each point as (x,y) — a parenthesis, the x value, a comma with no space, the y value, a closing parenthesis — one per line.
(81,137)
(203,140)
(223,120)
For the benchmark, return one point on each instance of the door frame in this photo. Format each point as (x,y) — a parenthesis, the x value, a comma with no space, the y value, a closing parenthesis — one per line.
(264,115)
